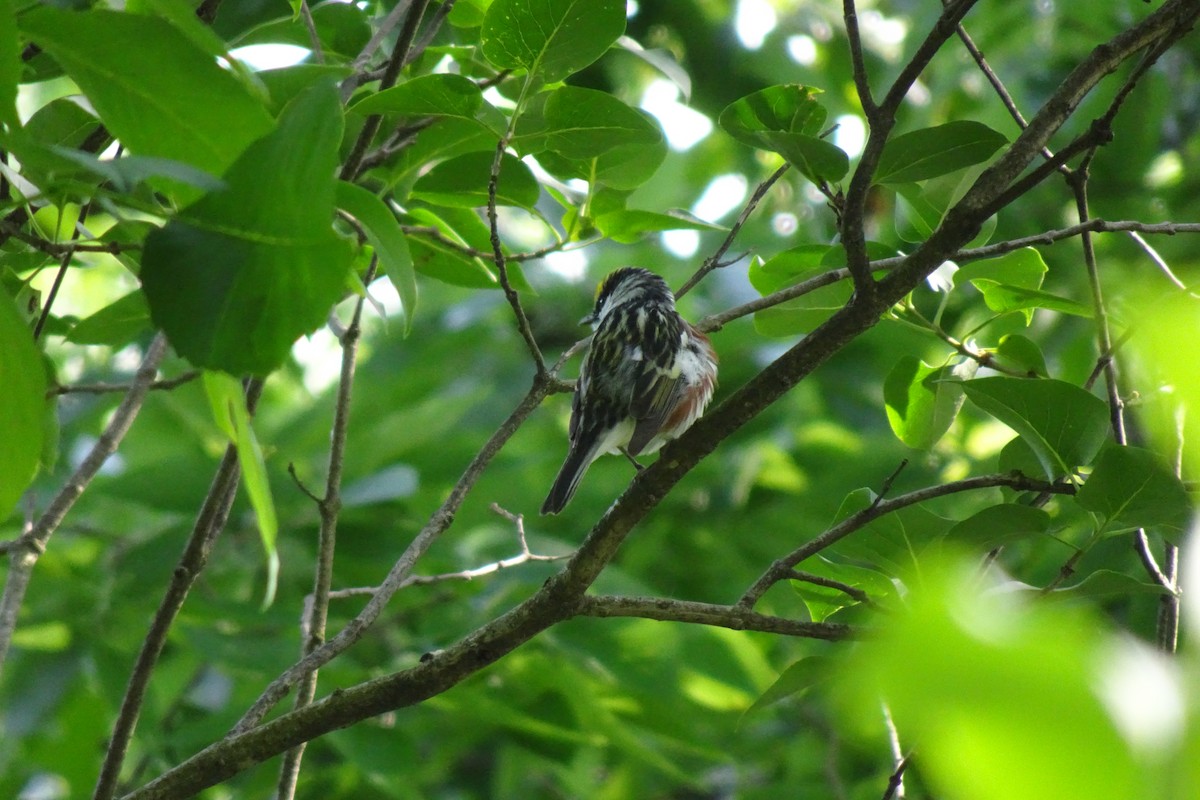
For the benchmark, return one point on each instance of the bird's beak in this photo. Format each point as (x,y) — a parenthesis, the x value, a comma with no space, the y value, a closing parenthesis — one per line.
(590,319)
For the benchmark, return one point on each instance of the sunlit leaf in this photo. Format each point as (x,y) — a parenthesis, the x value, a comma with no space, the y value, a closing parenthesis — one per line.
(1064,424)
(551,39)
(245,271)
(383,231)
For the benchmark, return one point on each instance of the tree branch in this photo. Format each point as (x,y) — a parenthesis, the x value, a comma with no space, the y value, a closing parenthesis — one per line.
(209,524)
(25,553)
(737,618)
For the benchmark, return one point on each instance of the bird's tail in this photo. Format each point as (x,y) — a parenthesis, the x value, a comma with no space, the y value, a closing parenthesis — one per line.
(573,468)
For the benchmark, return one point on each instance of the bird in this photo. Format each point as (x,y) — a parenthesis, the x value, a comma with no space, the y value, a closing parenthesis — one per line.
(647,377)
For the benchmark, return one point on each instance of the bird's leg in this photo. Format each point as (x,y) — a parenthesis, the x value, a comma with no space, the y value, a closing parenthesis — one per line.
(632,460)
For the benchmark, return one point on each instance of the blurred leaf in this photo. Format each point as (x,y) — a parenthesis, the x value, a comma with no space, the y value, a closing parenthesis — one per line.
(1000,524)
(284,83)
(384,234)
(552,39)
(244,272)
(10,63)
(24,382)
(462,182)
(1134,488)
(1064,424)
(342,28)
(229,412)
(114,325)
(921,401)
(984,682)
(154,89)
(443,95)
(930,152)
(1104,584)
(798,678)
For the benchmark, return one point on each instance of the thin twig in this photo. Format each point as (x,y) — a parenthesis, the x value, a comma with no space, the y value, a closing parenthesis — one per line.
(412,21)
(314,39)
(714,261)
(24,555)
(64,262)
(735,617)
(895,787)
(329,507)
(499,259)
(862,83)
(108,388)
(398,575)
(210,521)
(1159,262)
(781,568)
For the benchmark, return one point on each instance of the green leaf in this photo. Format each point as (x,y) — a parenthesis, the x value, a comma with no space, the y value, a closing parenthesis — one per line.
(462,182)
(930,152)
(384,234)
(629,225)
(894,542)
(1106,583)
(786,119)
(552,38)
(10,63)
(921,402)
(1134,488)
(1000,524)
(1024,268)
(245,271)
(798,678)
(985,681)
(786,108)
(153,88)
(343,30)
(624,168)
(1003,299)
(285,83)
(448,264)
(1064,424)
(24,382)
(582,124)
(1022,353)
(443,95)
(823,602)
(228,404)
(114,325)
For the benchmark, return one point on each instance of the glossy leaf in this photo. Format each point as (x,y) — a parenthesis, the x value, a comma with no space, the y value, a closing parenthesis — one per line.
(24,382)
(245,271)
(384,234)
(153,88)
(922,401)
(551,39)
(1064,424)
(794,681)
(1134,488)
(443,95)
(930,152)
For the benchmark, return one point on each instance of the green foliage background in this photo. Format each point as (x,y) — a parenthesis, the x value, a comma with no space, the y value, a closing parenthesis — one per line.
(226,192)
